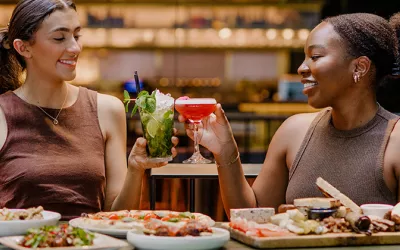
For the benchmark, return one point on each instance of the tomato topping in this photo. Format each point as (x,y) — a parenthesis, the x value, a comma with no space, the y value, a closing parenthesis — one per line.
(113,217)
(150,215)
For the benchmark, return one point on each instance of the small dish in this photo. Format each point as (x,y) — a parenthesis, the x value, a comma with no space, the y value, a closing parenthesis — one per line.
(320,213)
(20,227)
(376,209)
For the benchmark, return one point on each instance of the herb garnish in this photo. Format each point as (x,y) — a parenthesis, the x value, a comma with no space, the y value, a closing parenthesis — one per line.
(144,101)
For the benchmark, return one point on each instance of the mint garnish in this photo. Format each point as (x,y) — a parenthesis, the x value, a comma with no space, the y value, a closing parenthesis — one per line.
(144,101)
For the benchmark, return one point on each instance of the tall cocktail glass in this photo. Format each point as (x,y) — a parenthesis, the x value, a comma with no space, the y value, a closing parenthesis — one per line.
(194,110)
(158,127)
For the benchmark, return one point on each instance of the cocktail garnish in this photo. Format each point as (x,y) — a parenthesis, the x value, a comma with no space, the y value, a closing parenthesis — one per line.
(144,101)
(184,98)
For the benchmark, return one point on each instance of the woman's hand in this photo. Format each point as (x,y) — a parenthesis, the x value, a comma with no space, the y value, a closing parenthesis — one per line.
(215,134)
(138,160)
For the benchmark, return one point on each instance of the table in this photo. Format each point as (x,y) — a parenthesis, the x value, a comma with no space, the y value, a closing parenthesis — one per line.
(192,172)
(233,244)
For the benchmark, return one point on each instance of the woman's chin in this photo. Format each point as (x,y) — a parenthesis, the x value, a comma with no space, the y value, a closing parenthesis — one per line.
(70,77)
(317,104)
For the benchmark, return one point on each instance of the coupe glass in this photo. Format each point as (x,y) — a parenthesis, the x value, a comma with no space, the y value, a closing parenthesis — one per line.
(195,109)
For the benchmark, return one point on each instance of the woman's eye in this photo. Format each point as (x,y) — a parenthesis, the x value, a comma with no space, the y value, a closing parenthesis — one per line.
(77,37)
(59,39)
(314,57)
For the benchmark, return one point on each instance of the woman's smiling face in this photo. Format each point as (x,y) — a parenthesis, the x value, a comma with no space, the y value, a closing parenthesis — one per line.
(56,46)
(326,72)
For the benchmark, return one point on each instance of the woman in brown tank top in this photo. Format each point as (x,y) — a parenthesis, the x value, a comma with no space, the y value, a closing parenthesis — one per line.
(352,143)
(61,146)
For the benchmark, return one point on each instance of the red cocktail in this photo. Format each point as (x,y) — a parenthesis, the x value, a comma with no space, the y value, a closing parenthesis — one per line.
(194,110)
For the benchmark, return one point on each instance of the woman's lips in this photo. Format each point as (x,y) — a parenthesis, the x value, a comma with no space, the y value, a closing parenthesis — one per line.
(308,86)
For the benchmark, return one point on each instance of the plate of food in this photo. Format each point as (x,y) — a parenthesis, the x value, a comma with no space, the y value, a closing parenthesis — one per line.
(329,221)
(18,221)
(62,237)
(186,235)
(118,223)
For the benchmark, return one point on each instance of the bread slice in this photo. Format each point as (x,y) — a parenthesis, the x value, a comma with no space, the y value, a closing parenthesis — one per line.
(326,188)
(317,202)
(259,215)
(395,214)
(331,191)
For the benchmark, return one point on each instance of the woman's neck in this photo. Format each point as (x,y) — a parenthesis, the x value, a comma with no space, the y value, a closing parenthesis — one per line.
(43,93)
(353,115)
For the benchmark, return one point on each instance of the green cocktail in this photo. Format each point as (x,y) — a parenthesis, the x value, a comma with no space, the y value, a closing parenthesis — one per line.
(157,117)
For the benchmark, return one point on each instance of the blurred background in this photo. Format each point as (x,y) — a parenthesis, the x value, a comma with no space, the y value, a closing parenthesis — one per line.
(244,53)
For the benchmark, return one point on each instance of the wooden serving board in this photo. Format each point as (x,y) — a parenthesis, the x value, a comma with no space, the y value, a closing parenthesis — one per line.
(324,240)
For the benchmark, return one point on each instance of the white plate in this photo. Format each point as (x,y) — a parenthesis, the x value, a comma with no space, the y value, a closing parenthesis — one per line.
(120,233)
(100,242)
(215,241)
(20,227)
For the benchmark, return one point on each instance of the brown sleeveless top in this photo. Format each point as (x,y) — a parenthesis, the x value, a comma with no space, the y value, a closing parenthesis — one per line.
(352,161)
(60,167)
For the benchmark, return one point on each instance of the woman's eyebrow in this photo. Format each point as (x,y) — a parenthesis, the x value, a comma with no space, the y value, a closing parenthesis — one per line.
(65,29)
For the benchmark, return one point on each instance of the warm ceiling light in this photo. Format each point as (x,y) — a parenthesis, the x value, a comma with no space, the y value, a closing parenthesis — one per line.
(225,33)
(303,34)
(148,35)
(288,34)
(179,32)
(271,34)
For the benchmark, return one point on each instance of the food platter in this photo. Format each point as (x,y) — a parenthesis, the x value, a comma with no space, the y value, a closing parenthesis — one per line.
(325,240)
(19,227)
(216,240)
(100,242)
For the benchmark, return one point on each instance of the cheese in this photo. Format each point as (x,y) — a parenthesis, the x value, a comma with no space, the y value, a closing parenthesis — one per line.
(259,215)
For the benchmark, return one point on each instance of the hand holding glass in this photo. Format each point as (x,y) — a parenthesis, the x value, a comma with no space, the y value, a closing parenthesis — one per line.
(194,110)
(158,128)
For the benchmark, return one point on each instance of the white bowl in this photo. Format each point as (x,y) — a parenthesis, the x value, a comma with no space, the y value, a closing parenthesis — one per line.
(376,209)
(215,241)
(20,227)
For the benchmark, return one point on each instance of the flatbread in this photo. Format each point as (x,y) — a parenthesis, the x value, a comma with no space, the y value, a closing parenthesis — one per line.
(137,219)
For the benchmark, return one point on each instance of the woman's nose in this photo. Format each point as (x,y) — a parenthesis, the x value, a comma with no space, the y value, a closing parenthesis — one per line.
(74,47)
(303,69)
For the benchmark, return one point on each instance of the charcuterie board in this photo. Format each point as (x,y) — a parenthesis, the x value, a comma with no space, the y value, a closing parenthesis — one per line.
(324,240)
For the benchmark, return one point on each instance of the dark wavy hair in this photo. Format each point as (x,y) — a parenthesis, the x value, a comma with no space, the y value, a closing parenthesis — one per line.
(371,36)
(26,19)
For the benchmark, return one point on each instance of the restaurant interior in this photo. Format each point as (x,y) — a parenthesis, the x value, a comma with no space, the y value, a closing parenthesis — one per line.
(243,53)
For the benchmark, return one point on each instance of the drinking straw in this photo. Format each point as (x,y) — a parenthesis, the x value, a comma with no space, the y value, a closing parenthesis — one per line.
(137,83)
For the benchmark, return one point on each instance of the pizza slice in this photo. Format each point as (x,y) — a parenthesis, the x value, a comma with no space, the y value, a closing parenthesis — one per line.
(191,227)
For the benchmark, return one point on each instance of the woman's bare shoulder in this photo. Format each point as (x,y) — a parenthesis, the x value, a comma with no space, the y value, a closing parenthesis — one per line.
(392,159)
(3,128)
(394,139)
(298,122)
(110,104)
(111,113)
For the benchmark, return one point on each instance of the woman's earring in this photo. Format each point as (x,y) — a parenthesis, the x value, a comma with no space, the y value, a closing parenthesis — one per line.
(356,77)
